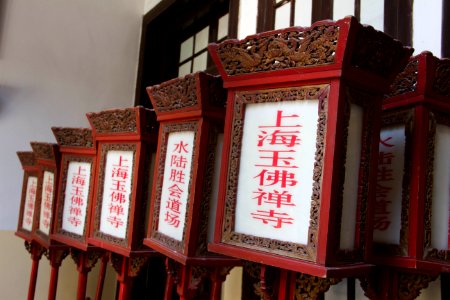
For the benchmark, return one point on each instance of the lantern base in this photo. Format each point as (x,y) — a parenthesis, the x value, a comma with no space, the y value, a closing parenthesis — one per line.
(355,269)
(412,264)
(213,259)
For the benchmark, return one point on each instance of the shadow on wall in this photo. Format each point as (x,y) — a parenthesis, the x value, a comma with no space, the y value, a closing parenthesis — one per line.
(6,94)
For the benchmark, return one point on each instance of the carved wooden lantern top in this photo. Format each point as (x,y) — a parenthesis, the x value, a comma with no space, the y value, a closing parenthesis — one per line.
(195,93)
(424,75)
(73,137)
(28,196)
(131,122)
(298,51)
(45,151)
(27,158)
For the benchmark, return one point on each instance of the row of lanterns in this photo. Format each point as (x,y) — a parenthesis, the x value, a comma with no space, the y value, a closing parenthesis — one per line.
(293,177)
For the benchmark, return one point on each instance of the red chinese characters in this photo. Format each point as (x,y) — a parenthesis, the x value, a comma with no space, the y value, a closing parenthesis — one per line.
(177,179)
(175,187)
(116,193)
(275,169)
(27,222)
(383,187)
(46,202)
(76,197)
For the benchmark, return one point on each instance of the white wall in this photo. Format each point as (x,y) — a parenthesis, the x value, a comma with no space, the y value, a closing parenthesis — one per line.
(58,60)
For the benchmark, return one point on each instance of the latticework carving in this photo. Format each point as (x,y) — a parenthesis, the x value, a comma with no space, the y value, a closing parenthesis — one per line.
(442,78)
(207,192)
(114,121)
(175,94)
(410,285)
(376,52)
(311,287)
(26,158)
(308,251)
(73,137)
(406,81)
(43,150)
(431,142)
(295,47)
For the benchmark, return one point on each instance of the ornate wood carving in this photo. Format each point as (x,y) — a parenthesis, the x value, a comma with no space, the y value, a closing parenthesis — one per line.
(406,81)
(91,258)
(114,121)
(311,287)
(43,150)
(175,94)
(101,178)
(430,253)
(431,142)
(36,251)
(217,95)
(307,252)
(208,180)
(166,129)
(73,137)
(278,50)
(26,158)
(136,264)
(410,285)
(442,78)
(56,256)
(377,52)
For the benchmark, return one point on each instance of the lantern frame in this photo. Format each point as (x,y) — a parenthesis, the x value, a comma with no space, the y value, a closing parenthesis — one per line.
(130,129)
(419,101)
(341,65)
(30,168)
(194,103)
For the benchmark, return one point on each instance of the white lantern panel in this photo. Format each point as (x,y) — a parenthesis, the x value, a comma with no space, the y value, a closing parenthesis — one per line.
(30,202)
(45,217)
(276,170)
(389,188)
(116,193)
(350,195)
(175,187)
(440,221)
(76,197)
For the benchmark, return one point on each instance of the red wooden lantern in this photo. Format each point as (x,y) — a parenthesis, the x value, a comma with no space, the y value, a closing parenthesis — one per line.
(76,185)
(411,216)
(125,142)
(48,159)
(191,113)
(27,214)
(300,133)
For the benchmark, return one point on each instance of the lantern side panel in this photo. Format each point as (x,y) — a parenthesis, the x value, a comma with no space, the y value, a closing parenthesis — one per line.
(276,170)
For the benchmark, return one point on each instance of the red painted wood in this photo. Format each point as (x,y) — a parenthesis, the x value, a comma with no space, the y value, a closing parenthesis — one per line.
(54,272)
(101,277)
(33,278)
(82,283)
